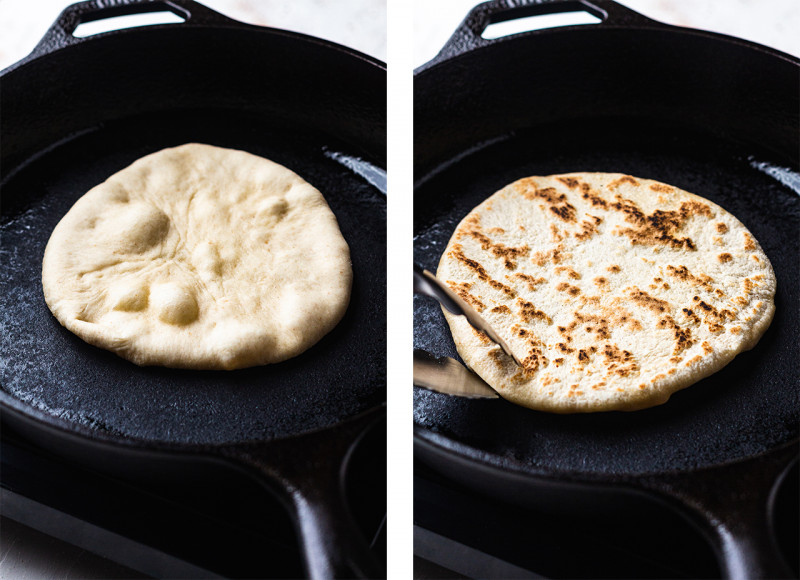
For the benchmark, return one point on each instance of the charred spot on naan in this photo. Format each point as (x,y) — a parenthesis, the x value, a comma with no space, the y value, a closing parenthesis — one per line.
(507,254)
(558,203)
(458,253)
(682,336)
(556,256)
(713,317)
(693,318)
(619,362)
(659,228)
(529,312)
(570,182)
(568,271)
(683,274)
(593,197)
(643,299)
(531,282)
(462,289)
(624,179)
(661,187)
(589,227)
(568,288)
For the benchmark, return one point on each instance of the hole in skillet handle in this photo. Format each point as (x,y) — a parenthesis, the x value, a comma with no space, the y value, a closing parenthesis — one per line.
(538,22)
(494,20)
(79,21)
(85,29)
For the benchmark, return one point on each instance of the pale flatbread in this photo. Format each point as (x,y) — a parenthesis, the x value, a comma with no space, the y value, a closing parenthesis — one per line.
(615,291)
(199,257)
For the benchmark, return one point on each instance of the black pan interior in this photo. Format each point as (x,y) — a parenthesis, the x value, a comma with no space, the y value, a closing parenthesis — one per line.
(48,368)
(748,407)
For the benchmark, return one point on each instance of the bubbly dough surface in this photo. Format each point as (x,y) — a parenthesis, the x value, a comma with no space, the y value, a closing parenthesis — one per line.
(615,291)
(199,257)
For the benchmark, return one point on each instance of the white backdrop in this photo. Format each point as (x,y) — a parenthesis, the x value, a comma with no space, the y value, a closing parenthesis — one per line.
(417,31)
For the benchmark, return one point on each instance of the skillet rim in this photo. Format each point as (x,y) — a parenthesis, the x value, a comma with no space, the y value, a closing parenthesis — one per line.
(478,460)
(14,410)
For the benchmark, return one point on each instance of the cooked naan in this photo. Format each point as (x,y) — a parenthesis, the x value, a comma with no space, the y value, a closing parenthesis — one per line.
(199,257)
(615,291)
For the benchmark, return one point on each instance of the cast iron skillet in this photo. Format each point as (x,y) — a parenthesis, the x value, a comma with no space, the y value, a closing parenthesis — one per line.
(77,110)
(711,114)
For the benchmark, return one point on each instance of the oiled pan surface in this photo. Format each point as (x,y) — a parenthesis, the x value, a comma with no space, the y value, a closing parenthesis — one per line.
(48,368)
(748,407)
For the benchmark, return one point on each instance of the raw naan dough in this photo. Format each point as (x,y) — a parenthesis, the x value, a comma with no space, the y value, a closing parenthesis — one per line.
(199,257)
(615,291)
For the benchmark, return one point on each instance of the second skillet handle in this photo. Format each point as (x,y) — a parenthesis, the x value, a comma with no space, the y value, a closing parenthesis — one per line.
(731,504)
(307,472)
(60,33)
(468,34)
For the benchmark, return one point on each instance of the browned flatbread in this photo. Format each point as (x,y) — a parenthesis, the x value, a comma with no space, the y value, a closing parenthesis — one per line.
(615,291)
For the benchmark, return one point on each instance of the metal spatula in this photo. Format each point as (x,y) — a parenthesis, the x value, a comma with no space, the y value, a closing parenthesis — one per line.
(448,376)
(427,284)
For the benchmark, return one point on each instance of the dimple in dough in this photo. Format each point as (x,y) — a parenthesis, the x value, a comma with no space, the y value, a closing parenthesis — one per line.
(199,257)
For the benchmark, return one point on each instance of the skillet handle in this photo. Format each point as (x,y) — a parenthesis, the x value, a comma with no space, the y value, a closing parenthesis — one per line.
(733,504)
(59,35)
(468,37)
(307,473)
